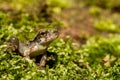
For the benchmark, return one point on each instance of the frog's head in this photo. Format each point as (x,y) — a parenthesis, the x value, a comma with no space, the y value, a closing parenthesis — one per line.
(13,43)
(46,37)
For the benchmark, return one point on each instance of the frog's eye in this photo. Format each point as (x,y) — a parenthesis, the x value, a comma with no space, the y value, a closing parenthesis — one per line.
(42,33)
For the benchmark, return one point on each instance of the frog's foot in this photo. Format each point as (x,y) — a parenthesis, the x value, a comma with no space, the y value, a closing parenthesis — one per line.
(27,58)
(26,55)
(43,62)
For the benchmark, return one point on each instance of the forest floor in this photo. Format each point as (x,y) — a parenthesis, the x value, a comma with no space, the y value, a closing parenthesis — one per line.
(79,22)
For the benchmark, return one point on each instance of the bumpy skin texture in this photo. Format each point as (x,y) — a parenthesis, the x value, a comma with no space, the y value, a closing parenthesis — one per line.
(35,47)
(13,44)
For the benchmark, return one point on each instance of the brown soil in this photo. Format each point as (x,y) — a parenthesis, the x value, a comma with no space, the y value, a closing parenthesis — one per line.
(78,23)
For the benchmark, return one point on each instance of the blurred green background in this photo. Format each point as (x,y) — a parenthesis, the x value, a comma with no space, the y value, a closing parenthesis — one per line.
(88,46)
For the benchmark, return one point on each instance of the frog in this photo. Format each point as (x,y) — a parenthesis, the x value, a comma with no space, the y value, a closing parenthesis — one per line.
(35,47)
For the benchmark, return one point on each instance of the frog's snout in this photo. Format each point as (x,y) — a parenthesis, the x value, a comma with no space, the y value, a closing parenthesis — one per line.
(53,31)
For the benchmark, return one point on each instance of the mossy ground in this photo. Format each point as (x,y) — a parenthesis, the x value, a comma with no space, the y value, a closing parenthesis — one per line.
(88,47)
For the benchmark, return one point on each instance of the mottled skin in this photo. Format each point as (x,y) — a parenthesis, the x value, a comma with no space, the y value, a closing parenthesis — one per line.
(35,47)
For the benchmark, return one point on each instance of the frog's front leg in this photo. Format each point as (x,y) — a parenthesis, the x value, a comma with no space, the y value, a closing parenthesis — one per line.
(43,61)
(27,55)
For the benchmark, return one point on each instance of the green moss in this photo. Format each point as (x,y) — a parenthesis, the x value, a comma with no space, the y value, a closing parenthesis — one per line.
(64,62)
(106,25)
